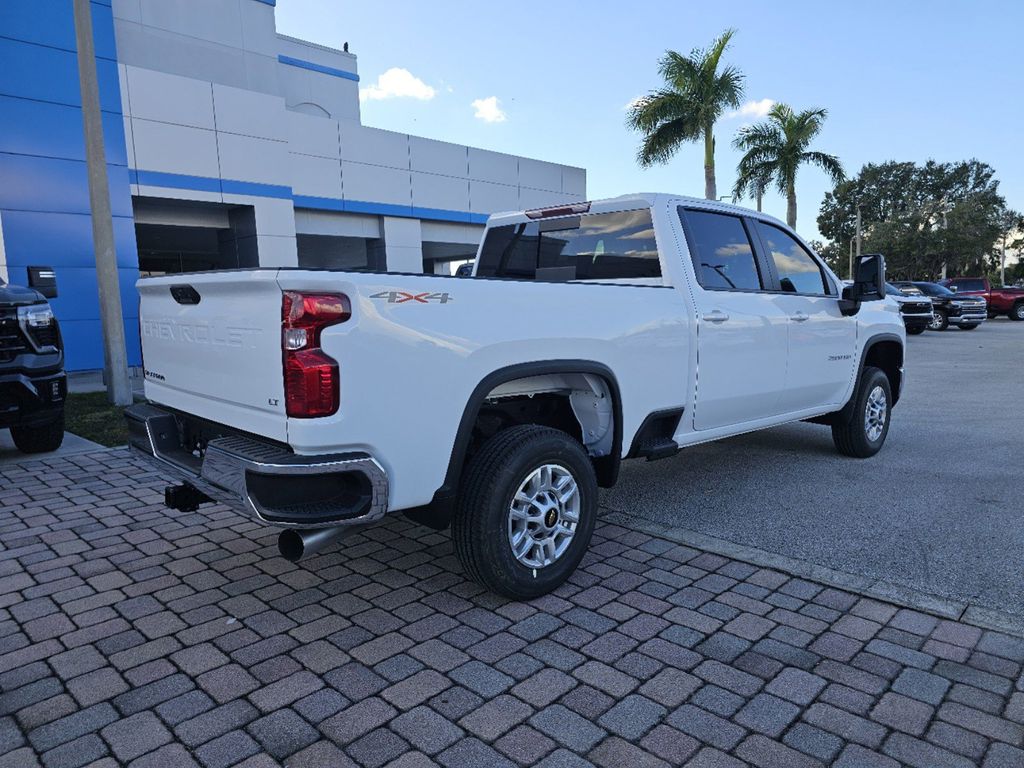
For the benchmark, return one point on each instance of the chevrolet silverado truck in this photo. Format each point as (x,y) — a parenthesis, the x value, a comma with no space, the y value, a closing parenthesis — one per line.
(949,308)
(319,400)
(916,311)
(32,381)
(1001,301)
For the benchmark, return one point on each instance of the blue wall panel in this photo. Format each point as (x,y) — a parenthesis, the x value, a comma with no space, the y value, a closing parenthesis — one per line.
(62,239)
(51,74)
(54,130)
(44,193)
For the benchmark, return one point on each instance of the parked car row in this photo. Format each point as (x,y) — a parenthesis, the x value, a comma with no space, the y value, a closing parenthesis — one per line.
(1007,301)
(949,308)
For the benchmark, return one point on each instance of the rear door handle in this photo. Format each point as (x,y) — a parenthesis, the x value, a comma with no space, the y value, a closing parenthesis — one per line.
(799,317)
(716,317)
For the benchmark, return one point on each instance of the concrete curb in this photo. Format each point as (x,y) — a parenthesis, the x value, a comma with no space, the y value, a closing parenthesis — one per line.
(879,589)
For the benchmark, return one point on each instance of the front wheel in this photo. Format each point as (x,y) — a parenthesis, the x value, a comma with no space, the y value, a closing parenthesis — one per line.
(39,439)
(969,326)
(526,511)
(914,330)
(1017,311)
(862,433)
(940,321)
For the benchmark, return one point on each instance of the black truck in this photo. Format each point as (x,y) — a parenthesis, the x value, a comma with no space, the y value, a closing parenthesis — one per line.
(33,385)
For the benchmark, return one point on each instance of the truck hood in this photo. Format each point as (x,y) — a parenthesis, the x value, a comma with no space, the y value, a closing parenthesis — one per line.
(16,296)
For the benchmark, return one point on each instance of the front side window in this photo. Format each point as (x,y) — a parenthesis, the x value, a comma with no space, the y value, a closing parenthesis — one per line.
(720,248)
(798,271)
(600,246)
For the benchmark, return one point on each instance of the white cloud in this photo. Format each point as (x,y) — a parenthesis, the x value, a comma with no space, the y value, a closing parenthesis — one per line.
(754,108)
(489,110)
(397,83)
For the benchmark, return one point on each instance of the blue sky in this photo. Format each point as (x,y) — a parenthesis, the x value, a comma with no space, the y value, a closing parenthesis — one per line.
(903,81)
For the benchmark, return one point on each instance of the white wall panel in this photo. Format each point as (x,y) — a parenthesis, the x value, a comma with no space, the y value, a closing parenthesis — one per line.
(277,251)
(431,191)
(449,232)
(485,197)
(248,113)
(440,157)
(574,181)
(537,174)
(310,222)
(316,176)
(374,146)
(215,20)
(309,135)
(129,10)
(249,159)
(541,198)
(129,141)
(169,98)
(375,183)
(258,28)
(175,149)
(493,166)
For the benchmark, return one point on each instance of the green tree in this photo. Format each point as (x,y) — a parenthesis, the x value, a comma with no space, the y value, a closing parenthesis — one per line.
(774,151)
(695,94)
(922,217)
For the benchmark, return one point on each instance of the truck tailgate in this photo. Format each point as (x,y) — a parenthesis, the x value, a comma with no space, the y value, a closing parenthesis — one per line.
(211,346)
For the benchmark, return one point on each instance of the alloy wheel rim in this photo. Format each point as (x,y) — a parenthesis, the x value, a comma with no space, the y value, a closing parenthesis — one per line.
(936,322)
(543,516)
(875,414)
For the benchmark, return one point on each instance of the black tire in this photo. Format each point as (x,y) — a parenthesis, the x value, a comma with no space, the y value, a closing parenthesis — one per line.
(969,326)
(915,330)
(849,431)
(940,321)
(481,525)
(39,439)
(1017,311)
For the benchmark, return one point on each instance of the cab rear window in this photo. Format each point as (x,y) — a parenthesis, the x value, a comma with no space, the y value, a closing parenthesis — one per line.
(599,246)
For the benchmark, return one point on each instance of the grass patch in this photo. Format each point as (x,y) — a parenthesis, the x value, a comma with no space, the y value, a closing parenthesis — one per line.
(90,415)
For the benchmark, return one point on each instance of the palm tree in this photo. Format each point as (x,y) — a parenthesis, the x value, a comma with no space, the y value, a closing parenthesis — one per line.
(694,96)
(774,151)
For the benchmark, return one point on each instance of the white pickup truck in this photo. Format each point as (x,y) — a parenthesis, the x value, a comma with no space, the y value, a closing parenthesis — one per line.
(319,400)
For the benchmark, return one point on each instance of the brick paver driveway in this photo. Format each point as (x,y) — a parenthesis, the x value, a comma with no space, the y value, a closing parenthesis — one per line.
(131,635)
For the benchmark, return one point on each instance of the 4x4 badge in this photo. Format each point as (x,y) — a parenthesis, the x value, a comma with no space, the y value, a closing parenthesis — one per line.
(401,297)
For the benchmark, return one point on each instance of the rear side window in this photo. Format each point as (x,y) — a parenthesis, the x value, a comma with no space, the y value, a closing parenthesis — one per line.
(720,248)
(798,271)
(600,246)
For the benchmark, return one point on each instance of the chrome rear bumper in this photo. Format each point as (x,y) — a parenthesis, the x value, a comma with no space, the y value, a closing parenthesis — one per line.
(263,480)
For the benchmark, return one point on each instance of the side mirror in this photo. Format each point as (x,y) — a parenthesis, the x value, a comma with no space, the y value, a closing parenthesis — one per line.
(868,284)
(44,280)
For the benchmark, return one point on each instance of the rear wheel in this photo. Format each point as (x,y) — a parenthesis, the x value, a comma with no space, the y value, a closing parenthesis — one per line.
(915,330)
(1017,311)
(969,326)
(39,439)
(526,511)
(863,431)
(940,321)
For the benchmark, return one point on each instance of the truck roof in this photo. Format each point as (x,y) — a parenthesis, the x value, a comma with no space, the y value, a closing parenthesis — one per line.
(622,203)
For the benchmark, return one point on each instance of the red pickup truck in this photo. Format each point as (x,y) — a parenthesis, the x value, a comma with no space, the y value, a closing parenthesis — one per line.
(1001,301)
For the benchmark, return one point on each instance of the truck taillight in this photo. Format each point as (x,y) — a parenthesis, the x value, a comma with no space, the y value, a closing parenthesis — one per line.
(311,386)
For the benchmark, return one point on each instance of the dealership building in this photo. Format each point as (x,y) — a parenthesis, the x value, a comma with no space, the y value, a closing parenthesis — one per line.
(227,145)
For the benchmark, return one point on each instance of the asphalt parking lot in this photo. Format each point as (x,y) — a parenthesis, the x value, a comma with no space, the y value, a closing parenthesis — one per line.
(938,511)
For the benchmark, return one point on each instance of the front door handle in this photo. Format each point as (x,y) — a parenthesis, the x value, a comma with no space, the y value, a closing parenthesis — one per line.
(716,317)
(799,317)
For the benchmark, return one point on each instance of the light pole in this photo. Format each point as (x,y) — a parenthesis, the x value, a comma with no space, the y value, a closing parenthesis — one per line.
(858,238)
(115,358)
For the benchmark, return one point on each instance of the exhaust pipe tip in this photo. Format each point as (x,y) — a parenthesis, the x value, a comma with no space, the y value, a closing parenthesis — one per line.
(296,544)
(291,546)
